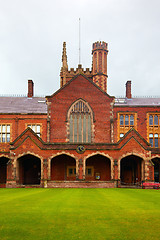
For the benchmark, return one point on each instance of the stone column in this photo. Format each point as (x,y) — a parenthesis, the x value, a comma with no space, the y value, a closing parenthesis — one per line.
(11,175)
(80,167)
(116,180)
(45,173)
(146,170)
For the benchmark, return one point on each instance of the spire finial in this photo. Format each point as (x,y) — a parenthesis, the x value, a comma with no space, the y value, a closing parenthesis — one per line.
(64,57)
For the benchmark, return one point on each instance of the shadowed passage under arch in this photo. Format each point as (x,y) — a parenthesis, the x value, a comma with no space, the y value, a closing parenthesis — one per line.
(3,170)
(98,167)
(29,170)
(131,169)
(63,167)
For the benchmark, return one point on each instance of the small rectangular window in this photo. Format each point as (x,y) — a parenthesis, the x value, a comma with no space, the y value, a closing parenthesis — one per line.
(70,171)
(156,142)
(150,120)
(151,141)
(126,120)
(4,133)
(156,120)
(89,171)
(132,120)
(121,120)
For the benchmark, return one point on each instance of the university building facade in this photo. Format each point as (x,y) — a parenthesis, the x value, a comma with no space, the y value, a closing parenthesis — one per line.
(80,136)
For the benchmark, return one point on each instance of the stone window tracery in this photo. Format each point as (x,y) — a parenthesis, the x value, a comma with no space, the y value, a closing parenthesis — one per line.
(80,122)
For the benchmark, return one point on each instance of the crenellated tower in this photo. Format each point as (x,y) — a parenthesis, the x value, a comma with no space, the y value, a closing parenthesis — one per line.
(99,68)
(67,74)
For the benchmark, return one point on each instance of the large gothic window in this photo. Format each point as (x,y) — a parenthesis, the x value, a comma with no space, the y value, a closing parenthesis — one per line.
(80,122)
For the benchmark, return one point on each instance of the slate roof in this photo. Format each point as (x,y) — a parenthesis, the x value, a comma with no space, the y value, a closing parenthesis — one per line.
(143,101)
(24,105)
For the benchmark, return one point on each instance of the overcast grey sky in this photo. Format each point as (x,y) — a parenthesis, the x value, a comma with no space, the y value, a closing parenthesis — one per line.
(32,34)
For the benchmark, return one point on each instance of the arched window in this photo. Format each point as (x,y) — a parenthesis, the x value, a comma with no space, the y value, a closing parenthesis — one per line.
(80,122)
(156,140)
(151,139)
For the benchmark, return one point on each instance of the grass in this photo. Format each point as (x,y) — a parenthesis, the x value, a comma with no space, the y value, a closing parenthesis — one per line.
(66,214)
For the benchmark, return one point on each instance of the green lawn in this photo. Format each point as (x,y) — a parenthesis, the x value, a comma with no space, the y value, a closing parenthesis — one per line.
(65,214)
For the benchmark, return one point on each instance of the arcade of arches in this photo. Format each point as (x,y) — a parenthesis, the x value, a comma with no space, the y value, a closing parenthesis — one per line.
(66,168)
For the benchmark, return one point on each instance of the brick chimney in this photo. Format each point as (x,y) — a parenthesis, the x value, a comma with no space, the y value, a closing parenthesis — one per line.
(128,89)
(30,88)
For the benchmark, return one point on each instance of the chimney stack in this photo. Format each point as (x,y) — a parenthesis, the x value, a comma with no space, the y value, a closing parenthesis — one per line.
(30,88)
(128,89)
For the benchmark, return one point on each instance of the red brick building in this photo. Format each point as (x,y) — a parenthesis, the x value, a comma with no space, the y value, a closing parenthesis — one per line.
(80,136)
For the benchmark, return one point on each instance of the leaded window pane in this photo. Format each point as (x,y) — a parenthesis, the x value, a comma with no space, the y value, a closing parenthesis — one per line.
(3,137)
(84,128)
(34,128)
(150,120)
(3,128)
(38,128)
(156,142)
(80,128)
(131,120)
(156,120)
(126,120)
(89,128)
(8,128)
(8,137)
(75,128)
(121,120)
(151,141)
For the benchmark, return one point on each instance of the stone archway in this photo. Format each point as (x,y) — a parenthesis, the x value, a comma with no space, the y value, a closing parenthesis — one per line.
(63,168)
(29,170)
(156,162)
(131,170)
(3,170)
(98,168)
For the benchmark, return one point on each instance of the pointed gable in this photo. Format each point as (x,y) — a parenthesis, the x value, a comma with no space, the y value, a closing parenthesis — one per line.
(27,136)
(132,138)
(80,87)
